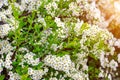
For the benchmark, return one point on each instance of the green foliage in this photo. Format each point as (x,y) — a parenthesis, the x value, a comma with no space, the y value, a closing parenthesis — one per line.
(84,27)
(2,77)
(93,68)
(25,77)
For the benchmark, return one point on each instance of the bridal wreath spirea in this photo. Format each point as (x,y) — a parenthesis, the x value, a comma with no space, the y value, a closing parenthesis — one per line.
(55,40)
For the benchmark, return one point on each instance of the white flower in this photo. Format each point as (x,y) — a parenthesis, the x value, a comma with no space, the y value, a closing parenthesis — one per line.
(118,58)
(48,7)
(109,77)
(74,8)
(59,22)
(1,64)
(111,42)
(113,64)
(103,60)
(101,74)
(117,43)
(53,78)
(54,5)
(54,47)
(22,49)
(41,20)
(30,71)
(76,76)
(117,6)
(2,2)
(78,27)
(72,5)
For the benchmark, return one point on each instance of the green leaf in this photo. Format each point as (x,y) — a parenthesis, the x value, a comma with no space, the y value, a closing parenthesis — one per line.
(16,12)
(84,26)
(2,77)
(25,77)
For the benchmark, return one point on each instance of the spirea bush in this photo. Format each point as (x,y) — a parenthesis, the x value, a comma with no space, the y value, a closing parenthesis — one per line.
(55,40)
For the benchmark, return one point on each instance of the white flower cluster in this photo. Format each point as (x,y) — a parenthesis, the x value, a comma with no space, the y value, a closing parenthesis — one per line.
(73,6)
(22,49)
(78,27)
(14,76)
(106,63)
(103,60)
(63,30)
(93,13)
(63,64)
(113,64)
(59,22)
(76,72)
(94,33)
(117,43)
(6,14)
(76,76)
(87,9)
(54,47)
(5,47)
(1,65)
(118,58)
(58,63)
(82,61)
(50,6)
(53,78)
(29,58)
(37,74)
(4,29)
(8,62)
(3,2)
(28,5)
(41,20)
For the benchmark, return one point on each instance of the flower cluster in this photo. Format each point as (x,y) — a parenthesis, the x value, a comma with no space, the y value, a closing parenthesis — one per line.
(3,2)
(1,65)
(37,74)
(14,76)
(63,64)
(29,58)
(5,47)
(8,62)
(58,63)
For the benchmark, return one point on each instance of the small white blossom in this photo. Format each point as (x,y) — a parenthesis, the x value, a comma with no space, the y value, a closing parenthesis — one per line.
(59,22)
(118,58)
(109,77)
(117,43)
(78,27)
(14,76)
(101,74)
(54,47)
(113,64)
(53,78)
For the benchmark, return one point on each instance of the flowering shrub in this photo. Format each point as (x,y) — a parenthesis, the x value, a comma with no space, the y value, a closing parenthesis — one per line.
(55,40)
